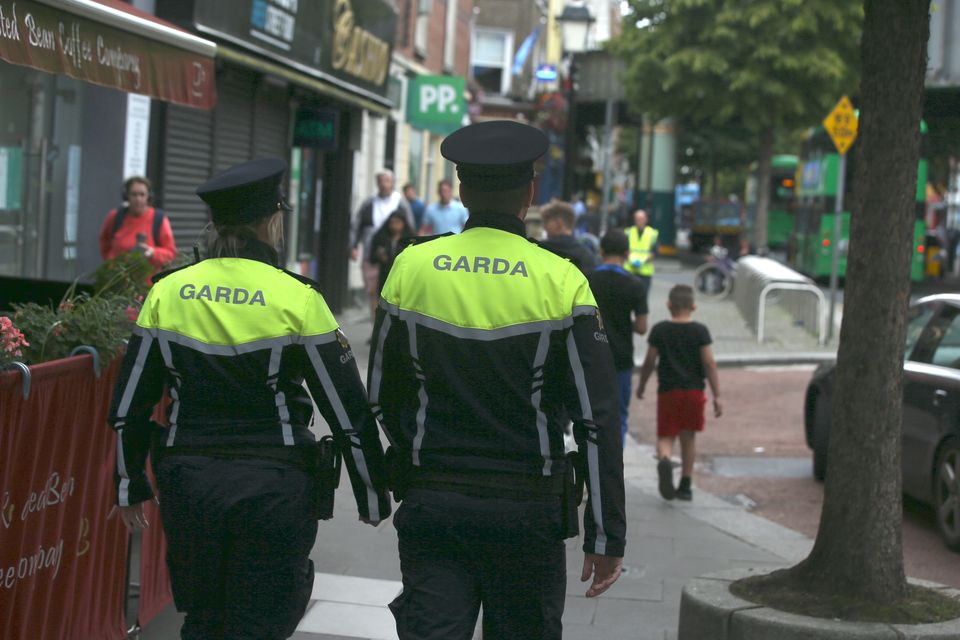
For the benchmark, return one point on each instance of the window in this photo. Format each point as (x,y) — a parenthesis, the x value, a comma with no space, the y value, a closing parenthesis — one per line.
(947,353)
(490,59)
(420,31)
(917,319)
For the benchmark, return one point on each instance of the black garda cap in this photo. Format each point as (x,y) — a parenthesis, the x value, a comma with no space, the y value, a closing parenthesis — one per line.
(245,192)
(495,155)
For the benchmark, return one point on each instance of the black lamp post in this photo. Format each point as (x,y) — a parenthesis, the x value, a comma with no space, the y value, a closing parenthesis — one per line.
(574,24)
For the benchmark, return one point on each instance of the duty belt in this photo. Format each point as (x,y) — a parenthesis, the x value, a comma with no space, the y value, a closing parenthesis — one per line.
(494,485)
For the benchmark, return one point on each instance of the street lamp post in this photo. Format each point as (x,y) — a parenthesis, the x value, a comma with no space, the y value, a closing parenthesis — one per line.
(574,24)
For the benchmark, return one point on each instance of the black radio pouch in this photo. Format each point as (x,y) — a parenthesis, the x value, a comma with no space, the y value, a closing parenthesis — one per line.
(328,475)
(398,472)
(573,484)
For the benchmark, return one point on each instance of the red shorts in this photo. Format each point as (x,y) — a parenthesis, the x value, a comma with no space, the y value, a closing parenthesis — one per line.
(680,410)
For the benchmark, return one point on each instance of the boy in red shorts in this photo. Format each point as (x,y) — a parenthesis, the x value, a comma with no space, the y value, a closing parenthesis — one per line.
(682,347)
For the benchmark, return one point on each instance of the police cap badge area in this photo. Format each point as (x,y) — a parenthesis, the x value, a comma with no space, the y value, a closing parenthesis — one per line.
(245,192)
(495,155)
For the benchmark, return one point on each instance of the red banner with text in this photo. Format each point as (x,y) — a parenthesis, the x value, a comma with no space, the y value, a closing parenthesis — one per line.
(62,562)
(57,40)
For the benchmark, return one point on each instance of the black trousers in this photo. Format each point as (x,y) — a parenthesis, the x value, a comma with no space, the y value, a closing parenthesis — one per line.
(458,552)
(239,535)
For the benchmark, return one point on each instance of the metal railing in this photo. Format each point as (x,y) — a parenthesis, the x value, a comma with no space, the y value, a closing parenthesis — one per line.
(759,278)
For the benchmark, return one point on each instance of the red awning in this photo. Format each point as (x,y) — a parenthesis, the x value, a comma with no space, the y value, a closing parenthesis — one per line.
(110,43)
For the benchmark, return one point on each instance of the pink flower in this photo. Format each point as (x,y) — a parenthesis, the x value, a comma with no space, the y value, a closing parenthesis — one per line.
(132,314)
(66,305)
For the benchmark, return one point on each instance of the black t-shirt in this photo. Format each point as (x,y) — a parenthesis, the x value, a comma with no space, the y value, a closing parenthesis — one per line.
(678,344)
(619,294)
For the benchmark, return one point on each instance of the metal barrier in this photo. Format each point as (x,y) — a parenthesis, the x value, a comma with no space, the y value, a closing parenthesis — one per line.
(757,278)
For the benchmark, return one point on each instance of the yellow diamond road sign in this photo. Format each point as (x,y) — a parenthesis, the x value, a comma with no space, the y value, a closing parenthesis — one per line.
(841,124)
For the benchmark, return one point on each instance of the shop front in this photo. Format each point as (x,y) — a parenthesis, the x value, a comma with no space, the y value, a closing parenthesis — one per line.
(298,80)
(78,79)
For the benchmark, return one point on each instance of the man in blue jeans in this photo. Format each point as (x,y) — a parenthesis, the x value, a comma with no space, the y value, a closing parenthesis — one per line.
(622,300)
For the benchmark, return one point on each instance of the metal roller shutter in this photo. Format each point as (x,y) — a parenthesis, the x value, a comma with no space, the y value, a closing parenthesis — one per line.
(271,123)
(188,136)
(233,119)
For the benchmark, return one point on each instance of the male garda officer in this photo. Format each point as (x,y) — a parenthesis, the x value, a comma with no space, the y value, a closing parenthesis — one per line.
(483,340)
(643,247)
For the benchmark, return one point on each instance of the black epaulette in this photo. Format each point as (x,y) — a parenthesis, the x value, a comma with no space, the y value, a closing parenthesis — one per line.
(415,240)
(313,284)
(157,277)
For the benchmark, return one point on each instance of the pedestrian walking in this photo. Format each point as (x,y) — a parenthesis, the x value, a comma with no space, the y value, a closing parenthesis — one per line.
(558,220)
(234,337)
(643,247)
(138,226)
(446,215)
(388,242)
(679,350)
(474,386)
(622,300)
(417,208)
(371,215)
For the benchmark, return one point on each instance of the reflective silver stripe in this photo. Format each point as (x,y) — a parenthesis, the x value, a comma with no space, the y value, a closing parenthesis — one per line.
(376,375)
(537,388)
(135,373)
(123,490)
(584,310)
(319,338)
(279,398)
(421,394)
(340,411)
(239,349)
(391,309)
(174,395)
(521,329)
(593,454)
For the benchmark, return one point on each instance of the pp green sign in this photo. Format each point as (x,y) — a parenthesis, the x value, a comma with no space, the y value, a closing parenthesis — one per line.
(436,103)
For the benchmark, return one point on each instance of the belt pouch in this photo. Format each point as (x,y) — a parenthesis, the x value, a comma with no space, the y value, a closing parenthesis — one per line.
(328,476)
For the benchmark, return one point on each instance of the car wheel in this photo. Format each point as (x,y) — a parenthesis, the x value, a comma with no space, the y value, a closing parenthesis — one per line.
(821,434)
(946,492)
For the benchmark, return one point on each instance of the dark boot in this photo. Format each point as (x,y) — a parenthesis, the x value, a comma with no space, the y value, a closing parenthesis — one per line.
(665,473)
(683,491)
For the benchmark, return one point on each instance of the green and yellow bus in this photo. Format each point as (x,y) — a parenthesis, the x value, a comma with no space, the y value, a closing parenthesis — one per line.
(810,248)
(783,169)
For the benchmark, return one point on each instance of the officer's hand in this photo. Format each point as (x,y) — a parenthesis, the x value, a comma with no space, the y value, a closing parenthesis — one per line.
(132,516)
(604,569)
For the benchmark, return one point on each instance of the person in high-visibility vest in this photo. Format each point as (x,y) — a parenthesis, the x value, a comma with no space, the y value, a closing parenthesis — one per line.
(484,345)
(643,247)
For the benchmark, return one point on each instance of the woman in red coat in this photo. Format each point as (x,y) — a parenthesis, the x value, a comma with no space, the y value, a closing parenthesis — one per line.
(141,227)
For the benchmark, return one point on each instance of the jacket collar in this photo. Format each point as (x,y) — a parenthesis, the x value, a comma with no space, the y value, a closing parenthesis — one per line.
(261,252)
(501,221)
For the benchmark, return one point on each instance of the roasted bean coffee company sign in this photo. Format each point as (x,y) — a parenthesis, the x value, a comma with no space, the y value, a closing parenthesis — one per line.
(54,40)
(348,42)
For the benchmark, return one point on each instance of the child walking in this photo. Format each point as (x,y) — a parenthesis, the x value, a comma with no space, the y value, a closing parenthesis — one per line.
(680,350)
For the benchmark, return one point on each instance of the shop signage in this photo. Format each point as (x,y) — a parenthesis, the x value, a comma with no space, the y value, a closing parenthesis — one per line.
(436,103)
(57,41)
(316,128)
(349,41)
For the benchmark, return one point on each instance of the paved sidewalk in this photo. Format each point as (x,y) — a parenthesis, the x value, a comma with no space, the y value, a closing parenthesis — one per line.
(668,542)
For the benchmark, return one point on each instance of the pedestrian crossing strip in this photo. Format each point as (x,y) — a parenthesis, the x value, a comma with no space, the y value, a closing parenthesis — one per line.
(350,607)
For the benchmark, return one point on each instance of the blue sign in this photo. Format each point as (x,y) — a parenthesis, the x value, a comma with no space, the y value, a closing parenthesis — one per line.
(546,73)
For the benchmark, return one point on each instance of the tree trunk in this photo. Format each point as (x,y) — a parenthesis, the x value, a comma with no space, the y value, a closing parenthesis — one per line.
(858,550)
(761,216)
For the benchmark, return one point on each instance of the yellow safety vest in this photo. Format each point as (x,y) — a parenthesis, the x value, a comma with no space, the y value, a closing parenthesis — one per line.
(640,260)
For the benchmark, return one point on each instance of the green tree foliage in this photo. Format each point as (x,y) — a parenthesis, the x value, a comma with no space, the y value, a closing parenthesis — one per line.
(761,64)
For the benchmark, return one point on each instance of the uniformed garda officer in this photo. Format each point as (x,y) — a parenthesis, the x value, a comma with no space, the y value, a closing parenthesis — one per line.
(483,342)
(234,337)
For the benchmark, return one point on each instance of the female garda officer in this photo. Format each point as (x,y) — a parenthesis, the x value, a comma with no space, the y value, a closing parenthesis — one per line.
(234,337)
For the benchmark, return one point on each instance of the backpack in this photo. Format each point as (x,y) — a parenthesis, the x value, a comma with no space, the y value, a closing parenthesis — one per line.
(157,222)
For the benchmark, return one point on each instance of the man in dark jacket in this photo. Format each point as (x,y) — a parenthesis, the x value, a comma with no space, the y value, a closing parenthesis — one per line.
(558,220)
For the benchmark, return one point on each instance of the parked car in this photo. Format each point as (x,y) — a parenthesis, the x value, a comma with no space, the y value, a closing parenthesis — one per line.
(931,411)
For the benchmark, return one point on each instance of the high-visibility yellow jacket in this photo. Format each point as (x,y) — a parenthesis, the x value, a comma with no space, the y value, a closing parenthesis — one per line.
(234,339)
(642,245)
(483,345)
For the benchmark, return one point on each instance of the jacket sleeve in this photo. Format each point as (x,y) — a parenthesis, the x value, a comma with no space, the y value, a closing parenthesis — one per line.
(360,222)
(138,389)
(334,382)
(594,408)
(166,249)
